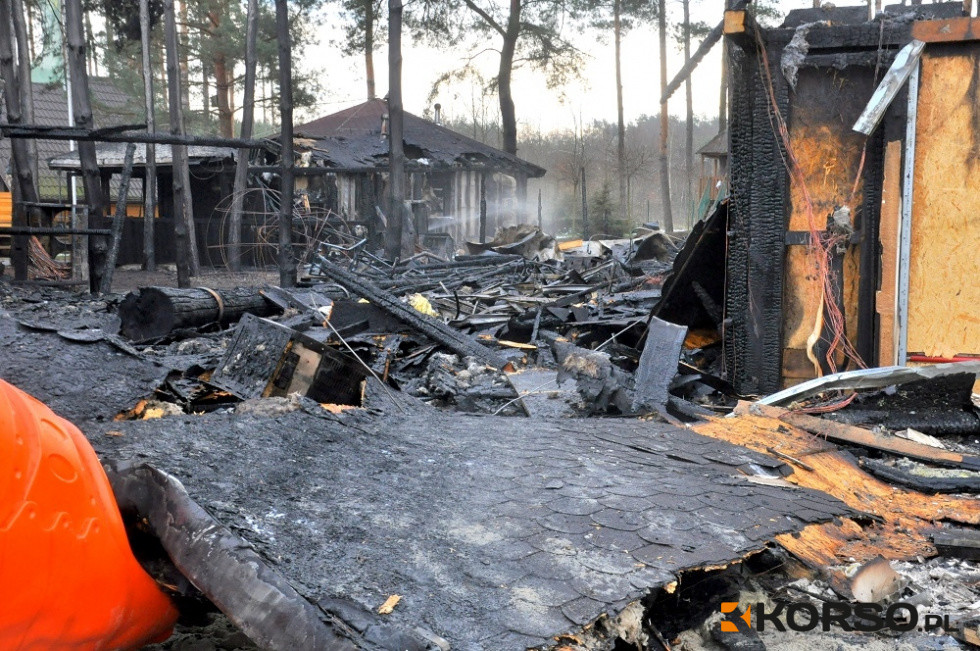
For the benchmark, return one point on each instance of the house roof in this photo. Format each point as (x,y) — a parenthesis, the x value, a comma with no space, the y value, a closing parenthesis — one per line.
(351,140)
(717,147)
(113,155)
(110,107)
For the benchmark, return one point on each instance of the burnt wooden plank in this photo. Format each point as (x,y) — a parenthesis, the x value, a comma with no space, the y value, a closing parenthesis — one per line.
(759,195)
(436,330)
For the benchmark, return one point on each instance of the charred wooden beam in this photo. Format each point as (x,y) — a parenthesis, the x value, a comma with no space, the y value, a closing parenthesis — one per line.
(958,543)
(46,230)
(24,186)
(947,31)
(742,29)
(82,107)
(154,312)
(851,435)
(257,598)
(287,261)
(436,330)
(924,483)
(756,224)
(706,45)
(44,132)
(117,223)
(183,207)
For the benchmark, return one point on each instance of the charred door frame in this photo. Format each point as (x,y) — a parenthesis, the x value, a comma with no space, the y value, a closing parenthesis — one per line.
(760,195)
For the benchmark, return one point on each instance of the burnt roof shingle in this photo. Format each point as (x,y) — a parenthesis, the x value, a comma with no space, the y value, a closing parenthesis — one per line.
(351,140)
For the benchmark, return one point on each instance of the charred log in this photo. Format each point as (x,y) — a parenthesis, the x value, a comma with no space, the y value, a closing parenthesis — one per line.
(155,312)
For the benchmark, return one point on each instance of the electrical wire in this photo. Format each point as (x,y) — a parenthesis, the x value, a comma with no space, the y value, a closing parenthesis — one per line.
(822,242)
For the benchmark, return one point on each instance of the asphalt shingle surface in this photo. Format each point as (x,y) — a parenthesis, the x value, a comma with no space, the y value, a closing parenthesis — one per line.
(497,533)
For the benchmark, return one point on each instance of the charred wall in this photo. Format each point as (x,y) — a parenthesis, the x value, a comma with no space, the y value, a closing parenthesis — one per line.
(773,295)
(757,223)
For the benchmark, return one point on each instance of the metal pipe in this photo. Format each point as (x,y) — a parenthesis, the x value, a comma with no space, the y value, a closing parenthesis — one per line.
(905,227)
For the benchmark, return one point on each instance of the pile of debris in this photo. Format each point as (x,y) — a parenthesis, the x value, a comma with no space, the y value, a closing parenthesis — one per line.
(558,527)
(451,332)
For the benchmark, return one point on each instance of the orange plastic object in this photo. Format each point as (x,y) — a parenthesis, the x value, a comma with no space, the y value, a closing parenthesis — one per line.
(68,575)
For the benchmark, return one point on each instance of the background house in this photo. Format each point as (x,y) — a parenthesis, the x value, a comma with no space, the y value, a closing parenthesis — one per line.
(212,179)
(110,107)
(343,167)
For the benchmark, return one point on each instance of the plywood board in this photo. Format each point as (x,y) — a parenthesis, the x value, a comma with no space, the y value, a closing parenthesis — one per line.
(944,271)
(885,299)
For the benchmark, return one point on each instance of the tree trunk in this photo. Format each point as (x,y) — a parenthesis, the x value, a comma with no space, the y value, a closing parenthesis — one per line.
(154,312)
(118,220)
(25,190)
(223,89)
(248,117)
(369,19)
(30,31)
(690,200)
(624,210)
(394,235)
(90,53)
(26,87)
(668,224)
(185,75)
(205,88)
(183,207)
(508,115)
(82,108)
(287,264)
(150,175)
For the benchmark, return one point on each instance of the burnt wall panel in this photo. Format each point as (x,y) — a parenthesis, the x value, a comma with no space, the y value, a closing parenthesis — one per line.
(757,227)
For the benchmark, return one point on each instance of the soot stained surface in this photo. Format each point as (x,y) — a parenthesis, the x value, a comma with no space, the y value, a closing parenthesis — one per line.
(497,533)
(82,382)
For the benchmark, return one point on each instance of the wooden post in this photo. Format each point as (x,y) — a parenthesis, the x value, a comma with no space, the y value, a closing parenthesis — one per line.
(82,108)
(394,247)
(540,222)
(120,218)
(24,188)
(287,264)
(483,208)
(183,207)
(150,170)
(396,156)
(585,208)
(241,165)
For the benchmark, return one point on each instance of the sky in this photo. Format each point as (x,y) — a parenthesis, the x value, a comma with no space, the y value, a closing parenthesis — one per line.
(538,108)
